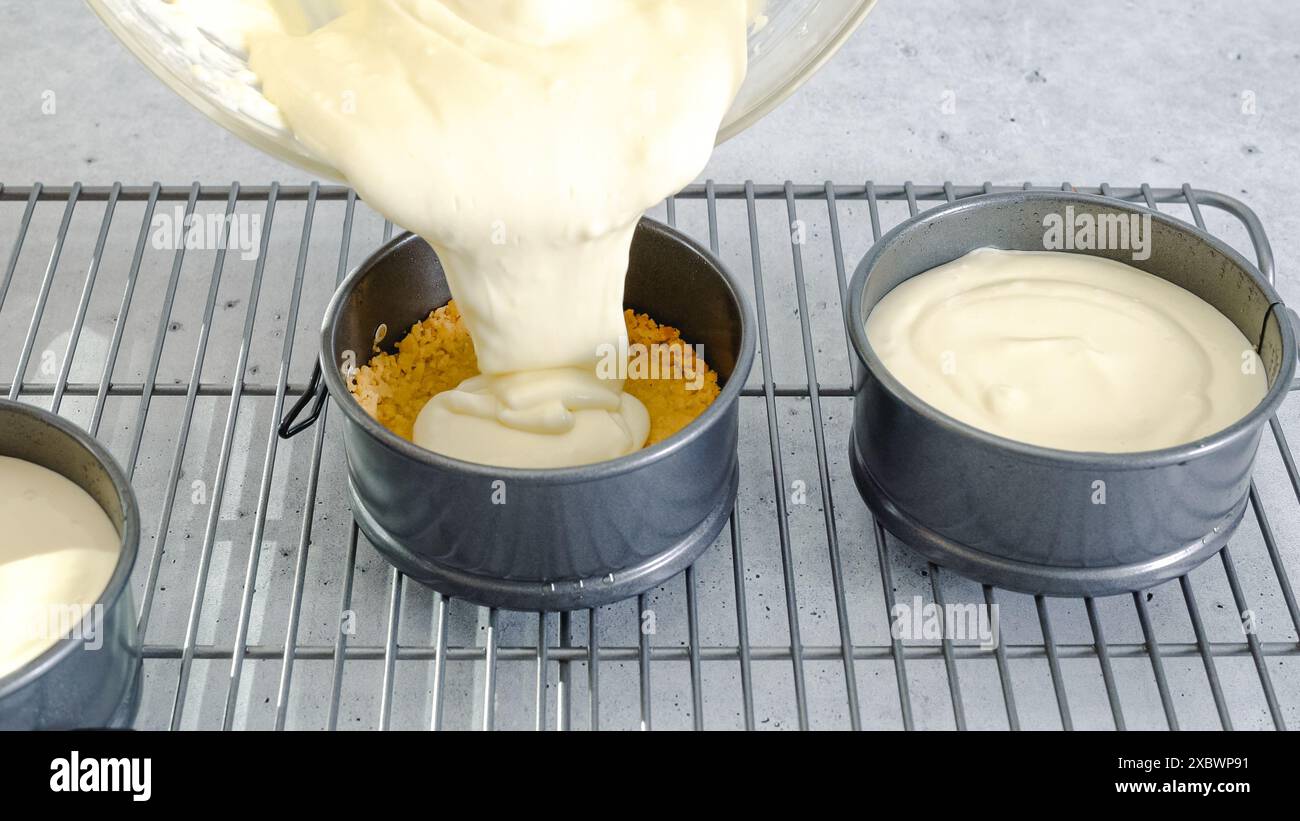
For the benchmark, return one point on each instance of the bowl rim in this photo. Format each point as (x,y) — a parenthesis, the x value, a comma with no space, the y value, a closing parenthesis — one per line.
(1246,426)
(119,581)
(851,23)
(711,415)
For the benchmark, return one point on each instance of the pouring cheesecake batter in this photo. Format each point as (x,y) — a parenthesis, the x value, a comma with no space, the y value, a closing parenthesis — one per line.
(1067,351)
(523,139)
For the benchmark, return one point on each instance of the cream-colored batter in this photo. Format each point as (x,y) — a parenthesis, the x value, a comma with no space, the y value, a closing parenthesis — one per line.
(501,418)
(1067,351)
(58,549)
(523,139)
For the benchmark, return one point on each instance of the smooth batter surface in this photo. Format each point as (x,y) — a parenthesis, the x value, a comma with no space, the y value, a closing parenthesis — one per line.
(58,549)
(1067,351)
(523,139)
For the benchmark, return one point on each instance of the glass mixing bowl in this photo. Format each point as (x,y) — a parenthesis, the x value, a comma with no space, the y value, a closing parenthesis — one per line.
(797,37)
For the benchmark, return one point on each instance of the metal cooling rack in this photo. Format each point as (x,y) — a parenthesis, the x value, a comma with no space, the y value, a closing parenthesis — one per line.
(182,359)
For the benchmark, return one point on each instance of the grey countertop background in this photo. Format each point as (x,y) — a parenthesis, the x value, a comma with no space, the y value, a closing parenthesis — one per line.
(1160,91)
(1044,90)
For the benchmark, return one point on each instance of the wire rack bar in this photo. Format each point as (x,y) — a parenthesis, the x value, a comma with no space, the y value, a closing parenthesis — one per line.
(778,467)
(949,660)
(1054,663)
(390,649)
(1275,556)
(693,643)
(33,196)
(1207,653)
(1004,670)
(440,666)
(151,377)
(338,193)
(737,546)
(1103,660)
(593,670)
(692,606)
(728,653)
(882,544)
(340,649)
(294,389)
(823,466)
(563,698)
(83,304)
(123,311)
(268,465)
(1252,641)
(43,297)
(1153,651)
(841,282)
(496,639)
(304,538)
(223,463)
(490,674)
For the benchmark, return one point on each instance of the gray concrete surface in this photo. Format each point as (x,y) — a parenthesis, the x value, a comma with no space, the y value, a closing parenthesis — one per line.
(1161,92)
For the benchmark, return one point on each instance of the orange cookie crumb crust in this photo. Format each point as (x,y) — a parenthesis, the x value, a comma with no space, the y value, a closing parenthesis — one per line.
(438,354)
